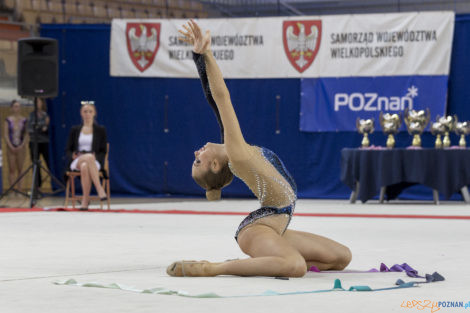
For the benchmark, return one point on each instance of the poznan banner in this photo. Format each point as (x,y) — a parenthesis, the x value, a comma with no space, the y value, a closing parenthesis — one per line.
(404,63)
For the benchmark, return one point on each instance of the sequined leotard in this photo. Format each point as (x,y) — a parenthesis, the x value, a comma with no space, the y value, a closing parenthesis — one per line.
(16,132)
(262,170)
(267,177)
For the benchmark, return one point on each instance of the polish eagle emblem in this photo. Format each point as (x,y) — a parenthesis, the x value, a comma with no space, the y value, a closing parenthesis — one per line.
(143,41)
(301,42)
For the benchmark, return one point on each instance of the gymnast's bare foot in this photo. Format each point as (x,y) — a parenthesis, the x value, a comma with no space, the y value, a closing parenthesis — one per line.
(189,268)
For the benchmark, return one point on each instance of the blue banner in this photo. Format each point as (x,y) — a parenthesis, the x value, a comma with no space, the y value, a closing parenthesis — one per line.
(334,104)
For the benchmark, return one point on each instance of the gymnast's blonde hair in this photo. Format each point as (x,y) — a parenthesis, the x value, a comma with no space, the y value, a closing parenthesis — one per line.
(214,182)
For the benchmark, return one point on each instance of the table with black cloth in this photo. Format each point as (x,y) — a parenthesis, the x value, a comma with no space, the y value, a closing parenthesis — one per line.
(370,171)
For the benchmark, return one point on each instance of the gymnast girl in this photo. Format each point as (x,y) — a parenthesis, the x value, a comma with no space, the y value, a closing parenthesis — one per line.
(274,250)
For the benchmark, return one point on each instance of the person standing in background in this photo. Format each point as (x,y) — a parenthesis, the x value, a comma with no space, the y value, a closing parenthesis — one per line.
(15,138)
(41,126)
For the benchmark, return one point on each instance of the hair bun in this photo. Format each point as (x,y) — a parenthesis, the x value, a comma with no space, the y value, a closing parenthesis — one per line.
(213,194)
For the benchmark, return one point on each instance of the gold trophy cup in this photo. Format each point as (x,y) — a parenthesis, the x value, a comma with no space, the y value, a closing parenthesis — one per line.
(390,124)
(462,129)
(416,122)
(365,127)
(437,129)
(449,124)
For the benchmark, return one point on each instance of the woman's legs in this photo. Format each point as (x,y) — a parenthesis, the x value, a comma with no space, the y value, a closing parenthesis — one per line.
(20,157)
(31,154)
(43,149)
(271,255)
(15,166)
(94,173)
(324,253)
(11,166)
(89,173)
(86,182)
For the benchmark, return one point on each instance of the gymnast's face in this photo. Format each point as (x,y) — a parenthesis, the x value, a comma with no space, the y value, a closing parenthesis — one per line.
(203,158)
(16,107)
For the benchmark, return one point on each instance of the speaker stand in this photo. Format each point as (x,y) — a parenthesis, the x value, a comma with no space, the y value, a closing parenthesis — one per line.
(35,166)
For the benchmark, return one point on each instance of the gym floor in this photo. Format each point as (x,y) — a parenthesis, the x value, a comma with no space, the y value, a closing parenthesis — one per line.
(132,249)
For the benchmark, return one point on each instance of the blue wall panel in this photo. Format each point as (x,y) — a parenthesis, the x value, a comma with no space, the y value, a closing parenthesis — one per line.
(145,160)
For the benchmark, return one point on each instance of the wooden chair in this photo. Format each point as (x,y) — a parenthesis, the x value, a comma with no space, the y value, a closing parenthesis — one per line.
(70,194)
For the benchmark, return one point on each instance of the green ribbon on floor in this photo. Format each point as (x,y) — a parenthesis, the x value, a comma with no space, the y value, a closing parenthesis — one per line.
(164,291)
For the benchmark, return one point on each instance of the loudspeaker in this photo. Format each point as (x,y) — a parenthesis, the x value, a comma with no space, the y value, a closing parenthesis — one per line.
(38,67)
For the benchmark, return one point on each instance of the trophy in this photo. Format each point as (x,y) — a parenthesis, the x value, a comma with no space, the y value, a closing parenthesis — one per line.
(437,129)
(462,129)
(416,122)
(449,124)
(365,127)
(390,124)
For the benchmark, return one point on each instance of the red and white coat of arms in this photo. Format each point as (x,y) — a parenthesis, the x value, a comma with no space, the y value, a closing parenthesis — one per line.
(143,41)
(301,42)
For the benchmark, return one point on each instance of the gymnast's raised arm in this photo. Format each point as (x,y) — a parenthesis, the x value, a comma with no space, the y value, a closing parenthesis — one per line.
(201,69)
(234,142)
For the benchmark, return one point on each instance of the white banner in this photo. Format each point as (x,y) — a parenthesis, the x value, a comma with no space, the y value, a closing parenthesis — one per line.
(304,46)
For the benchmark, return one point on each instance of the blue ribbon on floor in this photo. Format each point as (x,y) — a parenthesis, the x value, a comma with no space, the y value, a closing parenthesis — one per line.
(430,278)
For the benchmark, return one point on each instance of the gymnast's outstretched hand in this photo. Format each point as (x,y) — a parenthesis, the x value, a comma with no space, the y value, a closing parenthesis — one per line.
(193,35)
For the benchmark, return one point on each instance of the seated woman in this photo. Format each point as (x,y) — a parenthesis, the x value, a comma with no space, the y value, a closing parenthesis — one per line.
(86,151)
(263,234)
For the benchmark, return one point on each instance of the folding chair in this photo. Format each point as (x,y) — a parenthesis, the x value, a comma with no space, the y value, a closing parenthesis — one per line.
(70,194)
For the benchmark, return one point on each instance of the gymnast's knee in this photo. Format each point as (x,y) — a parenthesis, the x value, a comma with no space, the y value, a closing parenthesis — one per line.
(294,267)
(344,259)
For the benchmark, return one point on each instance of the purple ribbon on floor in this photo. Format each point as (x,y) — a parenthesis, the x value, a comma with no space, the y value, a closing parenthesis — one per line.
(411,272)
(401,268)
